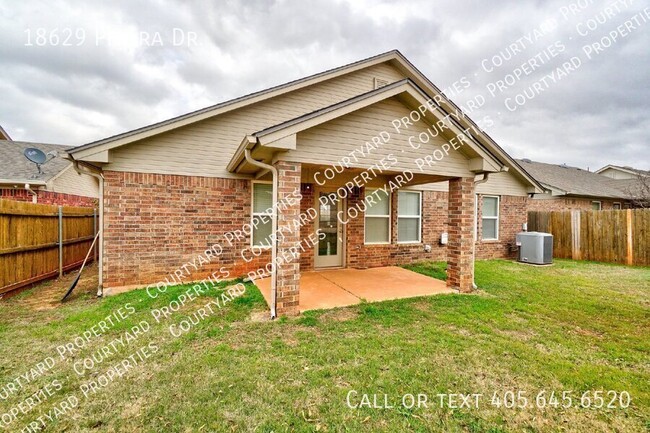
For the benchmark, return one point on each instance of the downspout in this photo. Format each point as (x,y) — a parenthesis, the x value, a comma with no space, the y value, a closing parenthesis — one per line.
(476,182)
(32,192)
(100,178)
(274,225)
(503,169)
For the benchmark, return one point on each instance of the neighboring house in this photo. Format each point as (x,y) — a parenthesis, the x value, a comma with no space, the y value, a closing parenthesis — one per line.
(4,135)
(173,189)
(58,183)
(617,172)
(634,183)
(572,188)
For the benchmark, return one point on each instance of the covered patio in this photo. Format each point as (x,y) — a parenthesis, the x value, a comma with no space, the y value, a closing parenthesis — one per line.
(336,176)
(343,287)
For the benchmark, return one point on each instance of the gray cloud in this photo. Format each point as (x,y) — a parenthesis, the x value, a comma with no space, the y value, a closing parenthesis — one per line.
(116,80)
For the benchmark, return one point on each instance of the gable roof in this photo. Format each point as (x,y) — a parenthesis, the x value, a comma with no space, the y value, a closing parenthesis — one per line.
(232,104)
(14,167)
(626,169)
(394,57)
(274,134)
(569,180)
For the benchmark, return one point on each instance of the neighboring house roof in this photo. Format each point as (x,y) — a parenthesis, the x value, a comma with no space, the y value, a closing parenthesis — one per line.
(4,135)
(630,188)
(14,167)
(574,181)
(626,169)
(395,58)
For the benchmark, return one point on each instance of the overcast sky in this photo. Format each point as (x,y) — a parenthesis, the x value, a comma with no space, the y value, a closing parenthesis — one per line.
(77,71)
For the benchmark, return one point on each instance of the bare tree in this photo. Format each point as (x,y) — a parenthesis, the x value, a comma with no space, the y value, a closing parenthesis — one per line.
(639,192)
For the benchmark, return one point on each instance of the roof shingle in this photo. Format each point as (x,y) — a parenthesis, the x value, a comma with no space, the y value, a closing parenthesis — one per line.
(15,167)
(571,180)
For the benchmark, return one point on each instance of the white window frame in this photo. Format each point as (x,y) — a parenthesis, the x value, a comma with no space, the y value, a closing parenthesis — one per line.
(600,204)
(620,206)
(418,217)
(365,216)
(254,214)
(497,217)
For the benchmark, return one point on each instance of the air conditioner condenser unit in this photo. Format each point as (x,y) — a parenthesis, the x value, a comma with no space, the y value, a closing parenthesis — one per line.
(535,247)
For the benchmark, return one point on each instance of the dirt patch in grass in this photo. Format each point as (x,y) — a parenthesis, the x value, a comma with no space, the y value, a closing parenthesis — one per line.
(260,316)
(47,295)
(588,333)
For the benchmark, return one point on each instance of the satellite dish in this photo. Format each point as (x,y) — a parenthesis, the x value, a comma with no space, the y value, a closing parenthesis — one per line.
(38,157)
(35,155)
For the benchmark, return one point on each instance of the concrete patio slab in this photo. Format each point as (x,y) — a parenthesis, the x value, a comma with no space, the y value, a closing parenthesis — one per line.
(342,287)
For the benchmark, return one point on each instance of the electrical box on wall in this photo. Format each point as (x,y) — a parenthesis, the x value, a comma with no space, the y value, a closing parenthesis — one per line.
(444,238)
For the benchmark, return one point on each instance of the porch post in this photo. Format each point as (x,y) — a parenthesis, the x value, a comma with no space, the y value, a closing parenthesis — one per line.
(460,273)
(288,253)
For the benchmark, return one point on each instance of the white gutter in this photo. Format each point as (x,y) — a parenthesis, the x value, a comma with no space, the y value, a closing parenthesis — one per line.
(274,226)
(100,177)
(476,182)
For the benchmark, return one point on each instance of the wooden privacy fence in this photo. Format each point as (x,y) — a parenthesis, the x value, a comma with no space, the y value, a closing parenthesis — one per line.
(42,241)
(614,236)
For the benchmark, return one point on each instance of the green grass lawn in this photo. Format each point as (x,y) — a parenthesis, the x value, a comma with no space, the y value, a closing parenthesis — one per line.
(568,327)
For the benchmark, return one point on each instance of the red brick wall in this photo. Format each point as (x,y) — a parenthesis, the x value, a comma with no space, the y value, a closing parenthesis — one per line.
(48,197)
(434,222)
(565,203)
(155,223)
(513,213)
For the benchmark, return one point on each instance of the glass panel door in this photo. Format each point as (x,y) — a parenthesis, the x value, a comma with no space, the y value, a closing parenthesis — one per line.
(329,249)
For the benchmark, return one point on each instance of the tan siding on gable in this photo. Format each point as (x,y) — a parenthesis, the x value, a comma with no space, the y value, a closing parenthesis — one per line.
(617,174)
(70,182)
(497,184)
(327,143)
(205,148)
(503,184)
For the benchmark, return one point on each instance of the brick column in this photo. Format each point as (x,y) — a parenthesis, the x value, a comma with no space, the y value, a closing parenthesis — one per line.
(460,273)
(288,270)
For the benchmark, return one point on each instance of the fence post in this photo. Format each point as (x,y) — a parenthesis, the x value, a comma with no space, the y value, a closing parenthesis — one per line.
(630,237)
(575,235)
(60,241)
(94,234)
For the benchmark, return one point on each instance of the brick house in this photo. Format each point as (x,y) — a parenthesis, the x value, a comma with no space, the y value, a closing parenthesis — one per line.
(572,188)
(57,183)
(368,164)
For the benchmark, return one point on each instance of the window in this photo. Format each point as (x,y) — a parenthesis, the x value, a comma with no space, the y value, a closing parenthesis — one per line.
(596,205)
(490,218)
(261,215)
(617,205)
(377,217)
(409,216)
